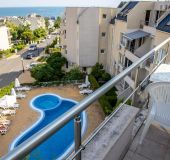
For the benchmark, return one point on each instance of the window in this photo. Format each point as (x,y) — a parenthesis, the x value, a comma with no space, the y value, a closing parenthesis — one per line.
(102,51)
(104,15)
(127,63)
(103,34)
(147,17)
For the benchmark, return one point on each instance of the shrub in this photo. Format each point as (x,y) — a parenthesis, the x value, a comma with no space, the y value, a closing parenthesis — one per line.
(107,108)
(42,59)
(106,76)
(19,47)
(112,99)
(42,73)
(74,74)
(50,71)
(97,71)
(108,101)
(6,90)
(94,83)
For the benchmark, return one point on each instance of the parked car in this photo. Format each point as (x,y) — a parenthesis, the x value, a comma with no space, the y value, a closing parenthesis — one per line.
(30,55)
(31,65)
(32,47)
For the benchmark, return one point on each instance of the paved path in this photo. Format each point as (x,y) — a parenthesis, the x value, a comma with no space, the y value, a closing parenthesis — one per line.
(11,67)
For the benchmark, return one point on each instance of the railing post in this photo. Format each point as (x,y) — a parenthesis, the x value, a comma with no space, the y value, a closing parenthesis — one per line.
(77,135)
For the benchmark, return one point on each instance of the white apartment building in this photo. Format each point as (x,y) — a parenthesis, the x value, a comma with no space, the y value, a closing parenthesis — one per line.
(84,35)
(133,32)
(5,38)
(114,37)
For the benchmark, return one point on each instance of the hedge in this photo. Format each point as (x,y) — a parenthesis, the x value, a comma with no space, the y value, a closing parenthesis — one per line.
(94,83)
(108,100)
(107,108)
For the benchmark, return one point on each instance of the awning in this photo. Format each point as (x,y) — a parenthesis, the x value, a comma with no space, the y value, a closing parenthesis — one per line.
(136,35)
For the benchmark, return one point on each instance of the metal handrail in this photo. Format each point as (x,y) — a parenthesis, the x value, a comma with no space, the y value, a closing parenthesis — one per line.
(32,142)
(95,132)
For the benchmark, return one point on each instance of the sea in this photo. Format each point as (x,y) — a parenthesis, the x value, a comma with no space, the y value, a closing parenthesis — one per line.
(24,11)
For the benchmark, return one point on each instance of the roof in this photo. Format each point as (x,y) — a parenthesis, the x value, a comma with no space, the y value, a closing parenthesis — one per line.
(123,14)
(136,34)
(121,4)
(164,25)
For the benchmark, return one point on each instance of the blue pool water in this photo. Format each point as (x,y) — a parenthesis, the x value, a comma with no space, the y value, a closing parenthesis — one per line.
(61,143)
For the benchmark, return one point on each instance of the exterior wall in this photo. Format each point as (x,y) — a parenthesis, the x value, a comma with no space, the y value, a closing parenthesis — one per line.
(160,37)
(114,43)
(137,14)
(88,31)
(71,35)
(104,28)
(4,38)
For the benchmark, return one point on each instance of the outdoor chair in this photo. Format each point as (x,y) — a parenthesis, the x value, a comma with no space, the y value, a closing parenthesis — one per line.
(160,106)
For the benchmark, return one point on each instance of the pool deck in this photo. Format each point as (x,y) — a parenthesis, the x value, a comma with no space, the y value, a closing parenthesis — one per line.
(26,116)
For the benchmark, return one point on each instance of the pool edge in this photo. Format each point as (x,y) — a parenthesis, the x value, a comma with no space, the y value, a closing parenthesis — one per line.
(40,118)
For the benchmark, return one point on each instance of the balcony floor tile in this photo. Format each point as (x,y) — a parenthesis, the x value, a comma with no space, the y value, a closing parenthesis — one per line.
(155,146)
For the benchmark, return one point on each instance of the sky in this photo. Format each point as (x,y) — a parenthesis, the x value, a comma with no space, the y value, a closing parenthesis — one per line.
(63,3)
(60,3)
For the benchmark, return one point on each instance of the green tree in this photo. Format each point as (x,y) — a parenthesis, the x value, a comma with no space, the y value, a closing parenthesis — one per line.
(74,74)
(47,22)
(27,36)
(56,61)
(50,71)
(42,73)
(57,22)
(40,33)
(97,71)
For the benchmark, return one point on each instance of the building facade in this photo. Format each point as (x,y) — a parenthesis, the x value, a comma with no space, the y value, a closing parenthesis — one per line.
(115,38)
(5,38)
(84,36)
(134,31)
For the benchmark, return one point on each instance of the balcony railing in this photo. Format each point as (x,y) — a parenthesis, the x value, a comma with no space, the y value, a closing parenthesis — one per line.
(26,147)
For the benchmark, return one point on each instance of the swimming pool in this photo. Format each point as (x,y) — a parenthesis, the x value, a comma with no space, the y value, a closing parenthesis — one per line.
(61,143)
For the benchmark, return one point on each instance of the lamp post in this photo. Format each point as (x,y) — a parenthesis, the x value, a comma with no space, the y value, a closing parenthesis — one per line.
(22,60)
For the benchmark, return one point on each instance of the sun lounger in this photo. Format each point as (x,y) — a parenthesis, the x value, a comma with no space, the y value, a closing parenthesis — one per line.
(3,129)
(84,85)
(5,122)
(14,106)
(23,88)
(86,91)
(20,95)
(8,112)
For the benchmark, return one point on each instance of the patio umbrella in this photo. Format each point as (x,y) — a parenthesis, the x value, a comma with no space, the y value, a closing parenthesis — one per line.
(17,84)
(13,93)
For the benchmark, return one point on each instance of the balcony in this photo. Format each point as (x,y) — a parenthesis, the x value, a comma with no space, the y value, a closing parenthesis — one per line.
(156,145)
(136,44)
(117,137)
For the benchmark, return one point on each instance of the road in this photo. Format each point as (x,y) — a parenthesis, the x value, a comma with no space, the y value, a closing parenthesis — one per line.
(11,68)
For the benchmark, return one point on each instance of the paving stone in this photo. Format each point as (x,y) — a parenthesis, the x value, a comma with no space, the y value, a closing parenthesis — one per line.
(152,150)
(167,156)
(157,134)
(128,155)
(138,157)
